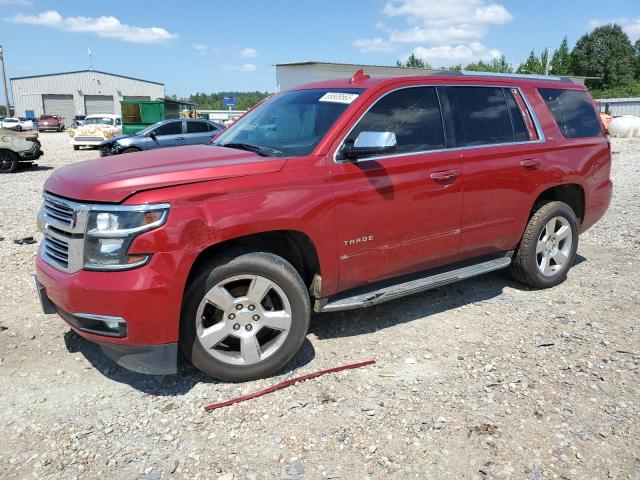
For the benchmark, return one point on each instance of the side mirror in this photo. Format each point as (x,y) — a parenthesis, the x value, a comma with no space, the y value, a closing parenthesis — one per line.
(368,144)
(152,134)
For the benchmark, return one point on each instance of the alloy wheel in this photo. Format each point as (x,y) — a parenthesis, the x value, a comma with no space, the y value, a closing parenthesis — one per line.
(243,319)
(553,249)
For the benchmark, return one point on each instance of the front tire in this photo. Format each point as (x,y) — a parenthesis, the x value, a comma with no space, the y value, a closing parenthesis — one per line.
(131,150)
(8,161)
(548,247)
(244,316)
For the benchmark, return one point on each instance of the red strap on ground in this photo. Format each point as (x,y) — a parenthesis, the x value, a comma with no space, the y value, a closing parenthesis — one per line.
(286,384)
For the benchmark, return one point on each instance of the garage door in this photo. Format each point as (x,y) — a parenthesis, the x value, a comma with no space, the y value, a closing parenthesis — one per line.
(59,105)
(95,104)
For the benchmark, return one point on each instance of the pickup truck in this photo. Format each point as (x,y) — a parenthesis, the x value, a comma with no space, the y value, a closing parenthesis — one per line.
(330,196)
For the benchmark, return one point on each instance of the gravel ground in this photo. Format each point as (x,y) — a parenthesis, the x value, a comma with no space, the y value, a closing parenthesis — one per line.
(481,379)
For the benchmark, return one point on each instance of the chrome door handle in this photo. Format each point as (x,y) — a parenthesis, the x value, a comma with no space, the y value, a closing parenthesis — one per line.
(445,176)
(530,163)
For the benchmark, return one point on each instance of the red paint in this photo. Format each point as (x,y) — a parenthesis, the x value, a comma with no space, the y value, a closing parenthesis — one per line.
(416,211)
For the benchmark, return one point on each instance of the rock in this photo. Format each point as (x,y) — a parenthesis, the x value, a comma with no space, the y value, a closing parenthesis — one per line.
(295,468)
(25,241)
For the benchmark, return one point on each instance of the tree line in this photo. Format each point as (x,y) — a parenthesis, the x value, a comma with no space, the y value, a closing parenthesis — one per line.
(213,101)
(606,54)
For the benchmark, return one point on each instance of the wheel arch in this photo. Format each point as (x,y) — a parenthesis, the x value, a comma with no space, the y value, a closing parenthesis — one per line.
(570,193)
(294,246)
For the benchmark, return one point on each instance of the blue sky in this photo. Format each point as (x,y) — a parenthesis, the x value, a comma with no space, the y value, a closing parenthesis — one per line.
(206,46)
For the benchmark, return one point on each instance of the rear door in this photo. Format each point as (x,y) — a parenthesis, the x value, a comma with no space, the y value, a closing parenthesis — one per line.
(169,134)
(398,213)
(503,162)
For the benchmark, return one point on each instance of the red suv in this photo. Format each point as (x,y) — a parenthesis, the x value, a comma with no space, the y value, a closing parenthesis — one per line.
(50,122)
(330,196)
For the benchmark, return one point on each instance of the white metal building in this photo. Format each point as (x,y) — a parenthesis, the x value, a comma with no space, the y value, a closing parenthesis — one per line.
(83,92)
(617,107)
(289,75)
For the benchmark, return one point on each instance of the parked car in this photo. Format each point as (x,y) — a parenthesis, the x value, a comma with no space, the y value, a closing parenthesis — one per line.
(26,123)
(332,196)
(15,149)
(51,122)
(168,133)
(78,120)
(14,123)
(95,130)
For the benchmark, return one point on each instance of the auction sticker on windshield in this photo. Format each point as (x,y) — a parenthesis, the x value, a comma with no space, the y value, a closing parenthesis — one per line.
(338,97)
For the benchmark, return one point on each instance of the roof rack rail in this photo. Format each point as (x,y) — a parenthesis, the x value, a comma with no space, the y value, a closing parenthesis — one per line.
(523,76)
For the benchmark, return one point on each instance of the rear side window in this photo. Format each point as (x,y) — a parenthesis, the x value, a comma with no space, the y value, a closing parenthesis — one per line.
(413,114)
(484,115)
(197,127)
(573,112)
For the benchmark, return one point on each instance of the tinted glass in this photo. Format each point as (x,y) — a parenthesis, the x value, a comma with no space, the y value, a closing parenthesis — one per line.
(520,132)
(197,127)
(171,128)
(573,112)
(413,114)
(214,127)
(484,115)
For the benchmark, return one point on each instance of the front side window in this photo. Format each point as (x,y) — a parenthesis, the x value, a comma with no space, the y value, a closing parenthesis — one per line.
(289,124)
(573,112)
(413,114)
(484,115)
(171,128)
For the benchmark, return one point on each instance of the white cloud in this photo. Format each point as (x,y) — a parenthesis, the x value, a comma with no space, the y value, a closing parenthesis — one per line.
(441,32)
(200,48)
(248,67)
(248,52)
(107,27)
(446,55)
(631,26)
(373,45)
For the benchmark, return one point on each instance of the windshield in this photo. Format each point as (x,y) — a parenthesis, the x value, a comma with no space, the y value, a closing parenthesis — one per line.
(289,124)
(99,121)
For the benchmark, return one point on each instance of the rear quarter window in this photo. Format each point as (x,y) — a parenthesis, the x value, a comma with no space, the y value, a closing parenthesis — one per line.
(573,112)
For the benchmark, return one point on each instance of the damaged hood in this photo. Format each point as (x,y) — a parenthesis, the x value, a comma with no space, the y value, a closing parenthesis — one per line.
(112,179)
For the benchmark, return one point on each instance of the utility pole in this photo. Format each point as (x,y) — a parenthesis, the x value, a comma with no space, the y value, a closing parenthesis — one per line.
(4,82)
(546,66)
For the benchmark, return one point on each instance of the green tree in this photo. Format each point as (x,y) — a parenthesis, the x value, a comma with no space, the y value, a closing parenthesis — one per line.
(213,101)
(637,48)
(3,111)
(544,60)
(413,62)
(607,53)
(532,65)
(561,59)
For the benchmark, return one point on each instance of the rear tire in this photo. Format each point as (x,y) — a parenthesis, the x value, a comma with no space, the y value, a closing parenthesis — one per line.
(548,247)
(253,320)
(8,161)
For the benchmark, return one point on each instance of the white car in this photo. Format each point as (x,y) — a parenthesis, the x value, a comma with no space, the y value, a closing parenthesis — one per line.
(14,123)
(95,130)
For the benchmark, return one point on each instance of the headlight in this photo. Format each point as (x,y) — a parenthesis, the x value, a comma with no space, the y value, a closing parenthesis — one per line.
(110,231)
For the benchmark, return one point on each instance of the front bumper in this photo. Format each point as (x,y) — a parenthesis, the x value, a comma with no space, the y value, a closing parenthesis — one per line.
(149,359)
(145,300)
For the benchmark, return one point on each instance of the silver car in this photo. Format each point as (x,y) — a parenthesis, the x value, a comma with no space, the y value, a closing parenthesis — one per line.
(168,133)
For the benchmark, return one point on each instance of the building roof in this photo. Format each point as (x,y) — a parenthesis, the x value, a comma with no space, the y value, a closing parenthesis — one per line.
(84,71)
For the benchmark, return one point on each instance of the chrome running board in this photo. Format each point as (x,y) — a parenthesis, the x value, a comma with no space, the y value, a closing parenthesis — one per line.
(391,292)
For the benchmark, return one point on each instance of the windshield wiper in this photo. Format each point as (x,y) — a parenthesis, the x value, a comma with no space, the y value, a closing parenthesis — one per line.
(259,149)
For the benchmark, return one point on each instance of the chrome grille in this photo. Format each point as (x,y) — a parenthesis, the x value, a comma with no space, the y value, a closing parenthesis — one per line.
(63,224)
(56,249)
(57,210)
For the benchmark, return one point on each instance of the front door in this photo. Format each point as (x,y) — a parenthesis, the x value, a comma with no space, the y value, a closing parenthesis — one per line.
(398,213)
(169,134)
